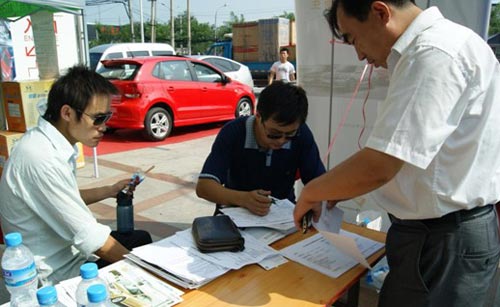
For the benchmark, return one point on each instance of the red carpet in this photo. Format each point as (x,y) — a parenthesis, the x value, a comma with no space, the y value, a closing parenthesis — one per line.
(124,139)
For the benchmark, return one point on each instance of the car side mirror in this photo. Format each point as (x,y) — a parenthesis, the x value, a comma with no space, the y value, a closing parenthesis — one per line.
(225,80)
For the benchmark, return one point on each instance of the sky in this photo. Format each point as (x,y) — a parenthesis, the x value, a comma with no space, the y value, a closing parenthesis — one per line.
(203,10)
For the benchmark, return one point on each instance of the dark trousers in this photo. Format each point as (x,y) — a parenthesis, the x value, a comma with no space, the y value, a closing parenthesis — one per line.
(134,239)
(450,261)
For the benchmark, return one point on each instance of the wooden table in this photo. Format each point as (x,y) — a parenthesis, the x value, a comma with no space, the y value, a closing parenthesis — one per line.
(290,284)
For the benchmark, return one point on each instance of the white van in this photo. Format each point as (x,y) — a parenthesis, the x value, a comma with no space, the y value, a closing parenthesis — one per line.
(126,50)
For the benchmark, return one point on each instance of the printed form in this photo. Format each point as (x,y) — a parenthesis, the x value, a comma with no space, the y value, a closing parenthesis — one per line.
(332,251)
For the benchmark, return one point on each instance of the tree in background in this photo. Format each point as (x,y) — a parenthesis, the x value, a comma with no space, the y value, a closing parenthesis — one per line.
(494,20)
(202,34)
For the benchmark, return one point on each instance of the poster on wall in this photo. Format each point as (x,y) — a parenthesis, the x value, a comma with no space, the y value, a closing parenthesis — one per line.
(25,51)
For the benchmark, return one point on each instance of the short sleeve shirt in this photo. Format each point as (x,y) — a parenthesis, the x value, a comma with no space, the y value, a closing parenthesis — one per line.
(441,118)
(237,162)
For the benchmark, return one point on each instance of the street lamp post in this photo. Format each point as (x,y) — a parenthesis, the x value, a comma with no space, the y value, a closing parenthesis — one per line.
(215,23)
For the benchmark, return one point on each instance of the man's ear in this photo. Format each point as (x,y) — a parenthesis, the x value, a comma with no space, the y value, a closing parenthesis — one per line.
(66,113)
(258,116)
(382,11)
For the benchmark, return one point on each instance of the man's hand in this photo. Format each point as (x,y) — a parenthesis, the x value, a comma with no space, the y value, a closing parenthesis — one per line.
(257,202)
(117,187)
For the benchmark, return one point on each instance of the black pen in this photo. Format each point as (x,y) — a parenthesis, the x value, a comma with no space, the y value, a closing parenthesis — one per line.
(306,221)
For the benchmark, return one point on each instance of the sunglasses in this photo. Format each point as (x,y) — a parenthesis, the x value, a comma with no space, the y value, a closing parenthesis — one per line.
(100,118)
(276,136)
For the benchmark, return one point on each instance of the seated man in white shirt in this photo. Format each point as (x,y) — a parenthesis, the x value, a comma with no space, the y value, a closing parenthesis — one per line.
(39,195)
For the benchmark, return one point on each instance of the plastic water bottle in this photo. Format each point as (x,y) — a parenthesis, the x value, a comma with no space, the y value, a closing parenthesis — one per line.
(47,297)
(98,296)
(89,274)
(124,213)
(19,271)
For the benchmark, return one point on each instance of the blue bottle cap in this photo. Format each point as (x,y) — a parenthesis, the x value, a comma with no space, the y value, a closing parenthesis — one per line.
(13,239)
(88,270)
(96,293)
(47,296)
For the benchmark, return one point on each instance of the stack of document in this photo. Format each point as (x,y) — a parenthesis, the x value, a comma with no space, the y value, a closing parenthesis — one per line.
(178,260)
(275,225)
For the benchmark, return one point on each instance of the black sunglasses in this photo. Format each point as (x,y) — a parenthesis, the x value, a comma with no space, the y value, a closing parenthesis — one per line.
(287,136)
(100,118)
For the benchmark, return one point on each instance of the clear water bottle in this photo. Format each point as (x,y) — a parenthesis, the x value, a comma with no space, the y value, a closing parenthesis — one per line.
(98,296)
(19,271)
(47,297)
(89,274)
(124,212)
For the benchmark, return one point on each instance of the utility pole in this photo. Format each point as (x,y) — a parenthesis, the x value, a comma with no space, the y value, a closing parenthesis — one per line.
(153,21)
(142,23)
(131,20)
(172,32)
(189,28)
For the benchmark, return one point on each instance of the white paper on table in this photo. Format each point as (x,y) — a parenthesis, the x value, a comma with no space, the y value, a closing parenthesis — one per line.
(280,212)
(272,262)
(264,235)
(347,245)
(330,219)
(177,260)
(318,253)
(254,251)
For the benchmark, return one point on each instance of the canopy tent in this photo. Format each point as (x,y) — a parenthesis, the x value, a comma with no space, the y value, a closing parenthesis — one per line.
(20,8)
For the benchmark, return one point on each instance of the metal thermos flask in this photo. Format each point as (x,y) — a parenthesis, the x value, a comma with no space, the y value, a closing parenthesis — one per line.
(124,212)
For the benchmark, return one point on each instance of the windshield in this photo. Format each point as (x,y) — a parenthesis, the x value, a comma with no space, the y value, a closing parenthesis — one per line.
(94,59)
(119,71)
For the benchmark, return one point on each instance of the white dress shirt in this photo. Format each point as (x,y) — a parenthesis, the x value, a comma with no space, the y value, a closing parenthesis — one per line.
(39,197)
(441,117)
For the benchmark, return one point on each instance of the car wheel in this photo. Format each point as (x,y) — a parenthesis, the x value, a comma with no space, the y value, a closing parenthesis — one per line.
(244,108)
(158,124)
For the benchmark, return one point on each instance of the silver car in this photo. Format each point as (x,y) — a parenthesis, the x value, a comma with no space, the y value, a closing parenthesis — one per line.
(232,69)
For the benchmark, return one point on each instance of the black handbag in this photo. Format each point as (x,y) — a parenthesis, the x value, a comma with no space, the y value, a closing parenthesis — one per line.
(216,234)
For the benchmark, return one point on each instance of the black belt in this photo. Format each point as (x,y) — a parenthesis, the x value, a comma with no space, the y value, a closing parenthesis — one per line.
(453,218)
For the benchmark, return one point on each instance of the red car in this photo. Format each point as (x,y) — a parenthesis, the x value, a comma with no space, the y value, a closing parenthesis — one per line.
(159,93)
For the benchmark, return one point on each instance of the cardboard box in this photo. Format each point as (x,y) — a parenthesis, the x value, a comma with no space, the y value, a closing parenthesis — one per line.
(292,53)
(246,41)
(7,141)
(273,33)
(293,33)
(20,102)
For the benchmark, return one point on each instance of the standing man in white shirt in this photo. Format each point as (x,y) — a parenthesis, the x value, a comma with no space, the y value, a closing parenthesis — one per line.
(282,69)
(39,195)
(433,154)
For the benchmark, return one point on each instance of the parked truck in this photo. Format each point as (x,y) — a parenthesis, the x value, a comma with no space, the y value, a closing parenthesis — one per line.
(256,44)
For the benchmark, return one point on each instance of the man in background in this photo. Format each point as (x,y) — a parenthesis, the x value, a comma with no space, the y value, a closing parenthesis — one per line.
(282,69)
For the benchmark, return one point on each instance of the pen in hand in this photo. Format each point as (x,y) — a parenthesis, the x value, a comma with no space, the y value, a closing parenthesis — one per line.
(306,221)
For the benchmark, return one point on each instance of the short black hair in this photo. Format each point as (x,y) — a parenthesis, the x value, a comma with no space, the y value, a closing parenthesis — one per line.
(76,88)
(285,103)
(284,49)
(358,9)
